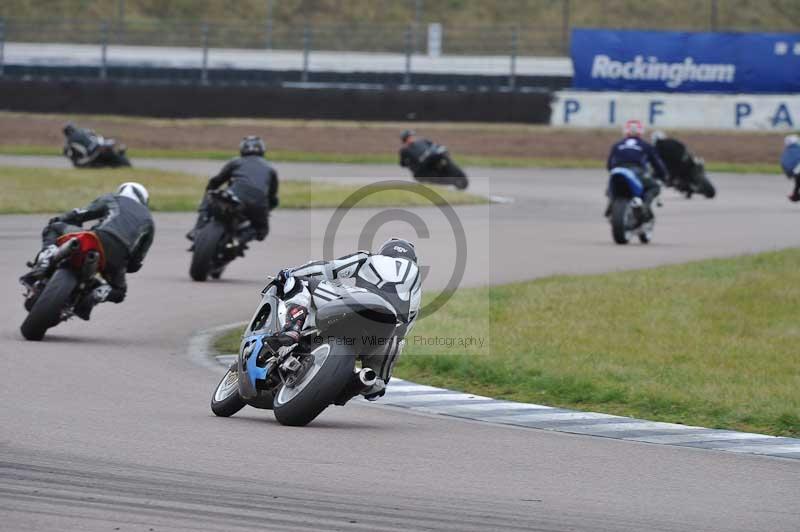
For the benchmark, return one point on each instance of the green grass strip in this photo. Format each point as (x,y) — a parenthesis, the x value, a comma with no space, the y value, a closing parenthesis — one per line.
(344,158)
(38,190)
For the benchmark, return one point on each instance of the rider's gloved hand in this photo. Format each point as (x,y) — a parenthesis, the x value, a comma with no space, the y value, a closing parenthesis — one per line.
(285,281)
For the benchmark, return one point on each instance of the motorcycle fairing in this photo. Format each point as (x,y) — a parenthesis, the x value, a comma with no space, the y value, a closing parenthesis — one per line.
(624,183)
(87,241)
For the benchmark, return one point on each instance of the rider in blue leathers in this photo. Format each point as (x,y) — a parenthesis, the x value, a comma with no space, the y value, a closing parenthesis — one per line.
(790,162)
(634,153)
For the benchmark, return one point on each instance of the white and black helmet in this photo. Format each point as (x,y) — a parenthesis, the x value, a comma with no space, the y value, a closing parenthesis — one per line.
(134,191)
(398,248)
(252,145)
(791,139)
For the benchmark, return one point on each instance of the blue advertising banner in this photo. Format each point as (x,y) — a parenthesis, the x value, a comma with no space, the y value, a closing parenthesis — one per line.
(671,61)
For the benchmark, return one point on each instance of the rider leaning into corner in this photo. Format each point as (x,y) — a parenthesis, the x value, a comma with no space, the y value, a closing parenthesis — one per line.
(254,181)
(414,153)
(636,154)
(125,228)
(391,273)
(84,143)
(675,156)
(790,162)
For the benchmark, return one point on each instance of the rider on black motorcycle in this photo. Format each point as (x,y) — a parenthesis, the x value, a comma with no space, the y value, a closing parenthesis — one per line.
(634,153)
(81,145)
(125,228)
(253,180)
(392,273)
(429,161)
(790,162)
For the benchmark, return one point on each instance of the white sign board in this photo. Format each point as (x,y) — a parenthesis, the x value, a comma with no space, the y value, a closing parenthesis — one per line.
(434,39)
(676,111)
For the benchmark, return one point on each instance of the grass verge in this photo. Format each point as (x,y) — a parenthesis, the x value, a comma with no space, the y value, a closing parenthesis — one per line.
(35,190)
(711,343)
(344,158)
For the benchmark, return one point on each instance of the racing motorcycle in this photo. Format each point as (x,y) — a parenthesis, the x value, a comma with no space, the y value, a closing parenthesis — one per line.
(298,382)
(696,182)
(216,244)
(627,209)
(438,168)
(110,154)
(51,295)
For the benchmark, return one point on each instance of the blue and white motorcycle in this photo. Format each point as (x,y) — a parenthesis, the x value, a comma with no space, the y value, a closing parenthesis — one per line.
(627,211)
(297,383)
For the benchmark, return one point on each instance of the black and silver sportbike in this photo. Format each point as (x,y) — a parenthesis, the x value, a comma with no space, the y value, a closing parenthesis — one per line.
(216,243)
(438,168)
(695,182)
(52,294)
(298,382)
(110,154)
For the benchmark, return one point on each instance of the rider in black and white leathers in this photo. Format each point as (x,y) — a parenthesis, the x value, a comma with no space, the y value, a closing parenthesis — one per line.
(392,273)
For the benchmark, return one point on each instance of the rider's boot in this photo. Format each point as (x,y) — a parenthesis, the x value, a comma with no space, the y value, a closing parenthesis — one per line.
(83,308)
(39,265)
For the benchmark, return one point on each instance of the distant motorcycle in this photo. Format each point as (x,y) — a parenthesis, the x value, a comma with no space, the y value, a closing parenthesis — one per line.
(439,169)
(695,183)
(51,297)
(110,154)
(627,209)
(297,383)
(215,244)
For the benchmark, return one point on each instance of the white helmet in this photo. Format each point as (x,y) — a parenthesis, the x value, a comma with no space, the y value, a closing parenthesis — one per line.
(657,135)
(134,191)
(791,139)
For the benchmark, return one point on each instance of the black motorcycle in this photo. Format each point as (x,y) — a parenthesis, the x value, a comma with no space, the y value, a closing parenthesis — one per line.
(436,167)
(696,182)
(110,154)
(216,243)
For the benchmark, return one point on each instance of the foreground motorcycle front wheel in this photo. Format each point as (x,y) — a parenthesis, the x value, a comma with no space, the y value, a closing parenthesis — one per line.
(317,388)
(205,249)
(705,187)
(46,312)
(226,400)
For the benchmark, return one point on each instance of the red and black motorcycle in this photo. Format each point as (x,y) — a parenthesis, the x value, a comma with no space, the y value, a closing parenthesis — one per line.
(52,294)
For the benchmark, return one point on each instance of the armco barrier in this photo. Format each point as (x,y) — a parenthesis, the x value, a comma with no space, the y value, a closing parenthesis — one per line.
(677,111)
(191,100)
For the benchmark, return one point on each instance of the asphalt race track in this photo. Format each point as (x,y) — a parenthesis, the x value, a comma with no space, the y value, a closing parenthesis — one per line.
(106,425)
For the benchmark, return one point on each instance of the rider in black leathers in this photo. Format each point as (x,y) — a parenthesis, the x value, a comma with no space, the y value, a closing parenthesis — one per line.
(413,154)
(252,179)
(678,161)
(125,228)
(84,143)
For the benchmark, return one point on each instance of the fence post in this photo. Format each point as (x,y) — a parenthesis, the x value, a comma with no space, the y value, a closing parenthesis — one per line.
(104,50)
(306,52)
(2,46)
(204,71)
(565,26)
(268,42)
(512,78)
(418,8)
(409,45)
(713,16)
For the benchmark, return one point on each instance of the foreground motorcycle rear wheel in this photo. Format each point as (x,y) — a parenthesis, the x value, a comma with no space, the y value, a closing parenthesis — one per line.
(205,249)
(620,215)
(46,312)
(320,386)
(226,400)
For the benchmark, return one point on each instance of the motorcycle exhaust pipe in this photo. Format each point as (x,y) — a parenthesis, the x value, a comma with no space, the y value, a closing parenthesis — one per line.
(367,377)
(65,250)
(360,381)
(90,264)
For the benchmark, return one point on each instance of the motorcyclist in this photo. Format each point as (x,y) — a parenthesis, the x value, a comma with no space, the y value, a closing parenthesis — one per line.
(676,158)
(125,228)
(416,154)
(790,162)
(392,273)
(636,154)
(81,145)
(253,180)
